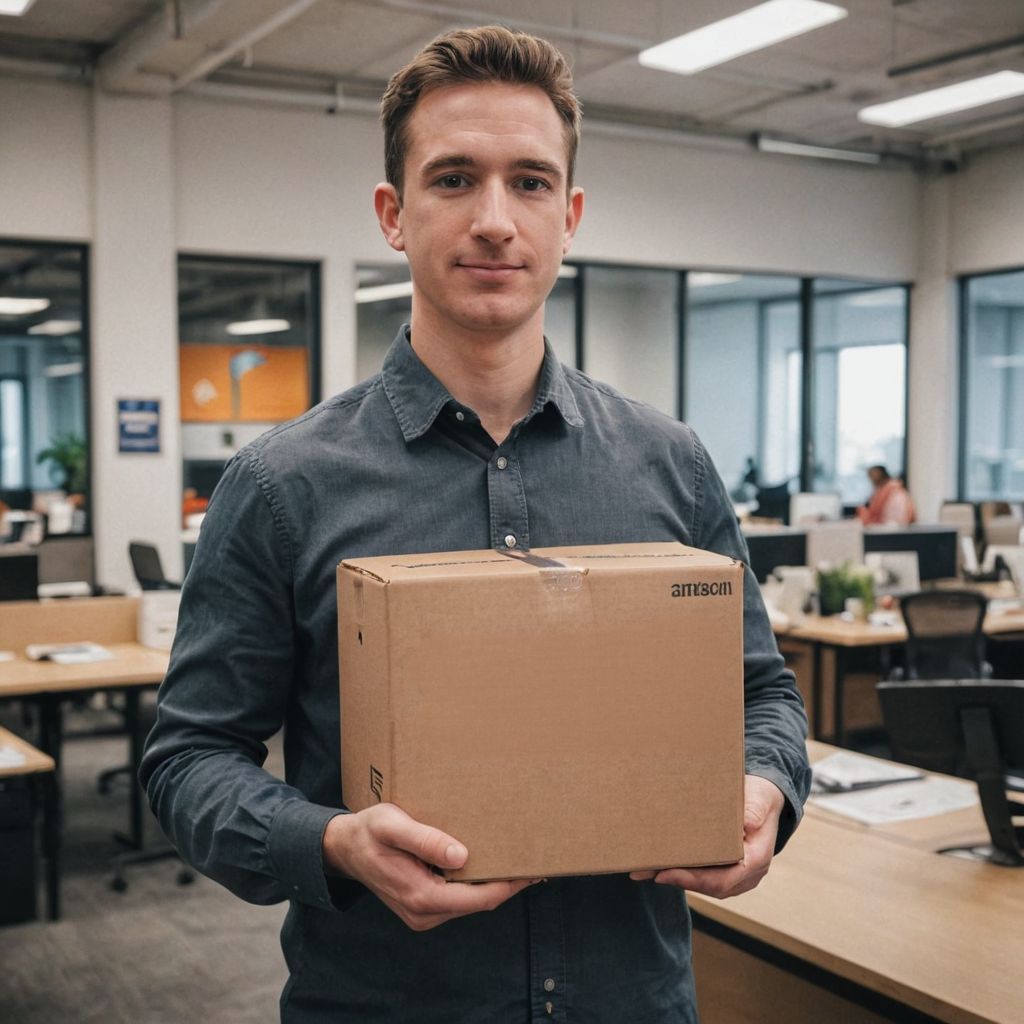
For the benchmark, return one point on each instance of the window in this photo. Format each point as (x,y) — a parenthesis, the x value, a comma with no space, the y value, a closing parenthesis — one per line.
(860,360)
(249,356)
(992,346)
(742,381)
(43,367)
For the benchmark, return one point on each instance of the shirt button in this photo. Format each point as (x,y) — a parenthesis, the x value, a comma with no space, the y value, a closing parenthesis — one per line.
(510,540)
(549,984)
(460,415)
(549,1007)
(502,462)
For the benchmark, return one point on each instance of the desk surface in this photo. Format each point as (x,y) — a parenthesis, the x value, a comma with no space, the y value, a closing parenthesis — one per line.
(832,629)
(35,760)
(877,906)
(132,665)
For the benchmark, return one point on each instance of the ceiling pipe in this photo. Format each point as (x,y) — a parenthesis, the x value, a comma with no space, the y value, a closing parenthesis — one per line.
(118,68)
(240,43)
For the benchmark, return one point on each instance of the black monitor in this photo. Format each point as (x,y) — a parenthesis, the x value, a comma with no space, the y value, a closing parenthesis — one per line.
(936,547)
(968,727)
(19,576)
(775,546)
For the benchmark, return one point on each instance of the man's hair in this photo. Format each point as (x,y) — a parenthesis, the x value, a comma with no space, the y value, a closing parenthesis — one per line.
(880,468)
(489,54)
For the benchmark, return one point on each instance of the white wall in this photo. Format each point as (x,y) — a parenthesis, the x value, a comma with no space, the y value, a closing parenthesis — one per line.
(143,179)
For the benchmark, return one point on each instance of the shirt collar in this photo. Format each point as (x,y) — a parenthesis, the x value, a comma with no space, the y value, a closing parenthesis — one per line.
(417,396)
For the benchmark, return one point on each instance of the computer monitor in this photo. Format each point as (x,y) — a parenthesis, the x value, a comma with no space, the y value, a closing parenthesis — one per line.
(973,728)
(772,546)
(936,547)
(19,576)
(1012,556)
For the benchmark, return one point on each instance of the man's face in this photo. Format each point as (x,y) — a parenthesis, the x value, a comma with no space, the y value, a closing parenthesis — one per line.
(485,216)
(876,477)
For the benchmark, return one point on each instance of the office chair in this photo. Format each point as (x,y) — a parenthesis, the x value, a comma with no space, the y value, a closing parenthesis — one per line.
(773,502)
(147,567)
(945,639)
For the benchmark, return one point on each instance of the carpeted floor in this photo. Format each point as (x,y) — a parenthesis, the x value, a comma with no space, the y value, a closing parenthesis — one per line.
(158,953)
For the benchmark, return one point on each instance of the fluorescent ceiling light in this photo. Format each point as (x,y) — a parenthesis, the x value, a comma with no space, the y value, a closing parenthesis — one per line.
(948,100)
(710,279)
(56,327)
(1006,362)
(257,326)
(15,8)
(566,271)
(750,30)
(856,156)
(10,306)
(63,370)
(383,292)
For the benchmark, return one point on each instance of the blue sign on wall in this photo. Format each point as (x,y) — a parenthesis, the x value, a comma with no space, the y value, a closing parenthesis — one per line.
(138,424)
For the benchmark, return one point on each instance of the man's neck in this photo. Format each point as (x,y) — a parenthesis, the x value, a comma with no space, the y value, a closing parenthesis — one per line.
(496,374)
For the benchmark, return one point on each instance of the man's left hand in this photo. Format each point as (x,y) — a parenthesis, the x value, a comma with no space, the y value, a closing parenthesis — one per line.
(762,806)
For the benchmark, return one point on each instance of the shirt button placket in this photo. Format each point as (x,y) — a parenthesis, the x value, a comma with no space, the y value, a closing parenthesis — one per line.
(508,502)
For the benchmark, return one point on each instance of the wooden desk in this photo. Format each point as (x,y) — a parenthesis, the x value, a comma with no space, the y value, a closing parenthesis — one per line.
(863,925)
(839,636)
(107,621)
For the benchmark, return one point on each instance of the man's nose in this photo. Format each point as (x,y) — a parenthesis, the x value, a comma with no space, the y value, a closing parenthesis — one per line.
(492,217)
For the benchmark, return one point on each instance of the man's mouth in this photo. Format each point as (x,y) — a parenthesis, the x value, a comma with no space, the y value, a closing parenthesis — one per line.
(489,271)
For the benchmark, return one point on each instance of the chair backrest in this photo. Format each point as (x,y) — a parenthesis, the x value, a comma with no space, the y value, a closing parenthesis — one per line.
(835,543)
(944,634)
(146,566)
(959,513)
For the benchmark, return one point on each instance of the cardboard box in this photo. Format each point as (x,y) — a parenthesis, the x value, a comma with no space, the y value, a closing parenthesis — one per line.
(567,711)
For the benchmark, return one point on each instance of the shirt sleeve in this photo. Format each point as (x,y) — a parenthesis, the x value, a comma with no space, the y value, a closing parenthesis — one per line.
(226,692)
(774,719)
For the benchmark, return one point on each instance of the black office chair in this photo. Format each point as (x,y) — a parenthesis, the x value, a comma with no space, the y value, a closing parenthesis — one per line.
(773,501)
(149,572)
(945,639)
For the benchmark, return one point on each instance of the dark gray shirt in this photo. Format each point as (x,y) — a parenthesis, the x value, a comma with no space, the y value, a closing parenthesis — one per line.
(397,466)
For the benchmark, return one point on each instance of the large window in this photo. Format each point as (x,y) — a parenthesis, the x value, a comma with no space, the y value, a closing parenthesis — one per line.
(742,380)
(43,393)
(992,445)
(249,355)
(860,361)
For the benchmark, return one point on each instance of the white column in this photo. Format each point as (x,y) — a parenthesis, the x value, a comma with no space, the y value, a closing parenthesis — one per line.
(934,375)
(134,331)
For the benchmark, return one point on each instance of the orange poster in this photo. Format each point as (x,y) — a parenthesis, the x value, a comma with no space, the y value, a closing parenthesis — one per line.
(250,383)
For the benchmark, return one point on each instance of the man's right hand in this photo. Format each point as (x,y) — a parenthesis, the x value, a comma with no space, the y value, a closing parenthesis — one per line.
(391,854)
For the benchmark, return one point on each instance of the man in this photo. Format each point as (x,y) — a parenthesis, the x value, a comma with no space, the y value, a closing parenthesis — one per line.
(472,436)
(889,504)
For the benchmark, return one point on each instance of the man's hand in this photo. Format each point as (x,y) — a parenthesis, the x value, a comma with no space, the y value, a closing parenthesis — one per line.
(762,805)
(391,854)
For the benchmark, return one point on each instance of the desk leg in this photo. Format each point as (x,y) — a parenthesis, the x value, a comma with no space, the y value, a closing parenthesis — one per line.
(51,733)
(816,689)
(52,844)
(838,725)
(135,741)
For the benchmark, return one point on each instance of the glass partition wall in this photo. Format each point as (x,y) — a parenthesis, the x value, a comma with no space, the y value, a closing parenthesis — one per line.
(992,388)
(44,423)
(792,383)
(249,357)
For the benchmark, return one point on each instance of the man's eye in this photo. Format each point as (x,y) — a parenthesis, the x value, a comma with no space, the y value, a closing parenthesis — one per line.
(452,181)
(533,184)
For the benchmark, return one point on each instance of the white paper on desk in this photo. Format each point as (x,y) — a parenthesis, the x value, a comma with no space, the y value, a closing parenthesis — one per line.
(68,654)
(903,801)
(11,758)
(846,769)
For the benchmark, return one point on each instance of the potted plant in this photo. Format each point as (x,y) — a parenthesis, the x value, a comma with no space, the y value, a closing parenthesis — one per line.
(838,583)
(68,454)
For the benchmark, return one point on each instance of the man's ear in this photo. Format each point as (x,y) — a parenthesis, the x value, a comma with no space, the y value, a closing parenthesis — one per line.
(573,216)
(388,205)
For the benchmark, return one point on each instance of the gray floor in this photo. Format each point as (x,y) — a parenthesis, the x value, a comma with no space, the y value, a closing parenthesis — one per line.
(159,953)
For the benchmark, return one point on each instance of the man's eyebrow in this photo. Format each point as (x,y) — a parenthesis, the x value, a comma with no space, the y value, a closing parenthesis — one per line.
(453,160)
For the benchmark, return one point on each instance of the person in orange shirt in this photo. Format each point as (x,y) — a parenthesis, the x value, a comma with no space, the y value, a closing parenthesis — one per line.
(889,504)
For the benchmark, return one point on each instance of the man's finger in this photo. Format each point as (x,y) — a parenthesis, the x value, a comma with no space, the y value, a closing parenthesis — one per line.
(429,844)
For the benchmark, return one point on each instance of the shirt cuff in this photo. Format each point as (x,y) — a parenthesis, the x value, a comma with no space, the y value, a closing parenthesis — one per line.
(793,809)
(295,845)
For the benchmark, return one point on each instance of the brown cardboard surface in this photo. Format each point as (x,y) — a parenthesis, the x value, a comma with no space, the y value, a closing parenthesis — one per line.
(570,711)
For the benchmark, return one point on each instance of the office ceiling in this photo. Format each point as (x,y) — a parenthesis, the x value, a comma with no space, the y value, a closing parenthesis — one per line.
(341,52)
